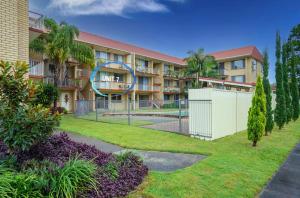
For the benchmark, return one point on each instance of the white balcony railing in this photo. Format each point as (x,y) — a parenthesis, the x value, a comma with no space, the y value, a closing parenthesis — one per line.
(172,89)
(100,61)
(112,85)
(36,68)
(66,83)
(142,87)
(36,20)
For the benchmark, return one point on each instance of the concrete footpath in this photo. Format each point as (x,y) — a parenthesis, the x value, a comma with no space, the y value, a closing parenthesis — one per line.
(154,160)
(286,182)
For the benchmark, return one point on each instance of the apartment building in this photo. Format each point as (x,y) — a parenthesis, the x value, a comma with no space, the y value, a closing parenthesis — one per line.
(241,65)
(159,76)
(156,73)
(14,34)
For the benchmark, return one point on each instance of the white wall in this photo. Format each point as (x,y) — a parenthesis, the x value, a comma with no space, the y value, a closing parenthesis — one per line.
(229,111)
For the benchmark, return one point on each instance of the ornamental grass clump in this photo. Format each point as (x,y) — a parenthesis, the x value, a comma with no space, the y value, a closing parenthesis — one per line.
(77,176)
(257,114)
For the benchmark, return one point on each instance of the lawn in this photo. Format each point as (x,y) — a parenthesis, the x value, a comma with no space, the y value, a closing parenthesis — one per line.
(232,169)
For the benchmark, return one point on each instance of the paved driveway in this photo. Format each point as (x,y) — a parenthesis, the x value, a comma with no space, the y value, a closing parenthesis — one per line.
(286,182)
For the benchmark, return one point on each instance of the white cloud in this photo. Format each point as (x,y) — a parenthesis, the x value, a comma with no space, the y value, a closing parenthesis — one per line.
(108,7)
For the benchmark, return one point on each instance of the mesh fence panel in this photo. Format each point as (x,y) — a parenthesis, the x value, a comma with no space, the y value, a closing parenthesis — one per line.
(161,115)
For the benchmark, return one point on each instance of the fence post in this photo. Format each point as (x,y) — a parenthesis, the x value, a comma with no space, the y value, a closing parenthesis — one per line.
(128,107)
(179,116)
(96,103)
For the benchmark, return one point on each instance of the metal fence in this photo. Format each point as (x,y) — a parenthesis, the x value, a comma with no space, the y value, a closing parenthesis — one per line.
(164,115)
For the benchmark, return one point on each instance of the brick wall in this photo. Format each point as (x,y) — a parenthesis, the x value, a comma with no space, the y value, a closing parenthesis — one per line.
(14,34)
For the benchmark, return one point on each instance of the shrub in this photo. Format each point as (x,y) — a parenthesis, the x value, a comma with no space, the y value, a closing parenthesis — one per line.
(257,114)
(22,124)
(280,110)
(60,110)
(76,176)
(28,126)
(267,90)
(46,94)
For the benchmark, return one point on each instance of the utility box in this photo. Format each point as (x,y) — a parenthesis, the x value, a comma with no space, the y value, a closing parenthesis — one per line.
(215,113)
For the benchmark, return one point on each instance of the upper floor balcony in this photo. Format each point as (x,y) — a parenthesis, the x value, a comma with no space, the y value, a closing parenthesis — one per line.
(36,67)
(223,72)
(146,70)
(171,89)
(147,88)
(36,20)
(112,66)
(113,86)
(64,83)
(82,73)
(172,74)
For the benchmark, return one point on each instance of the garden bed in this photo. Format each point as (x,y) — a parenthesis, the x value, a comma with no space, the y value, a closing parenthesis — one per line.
(115,175)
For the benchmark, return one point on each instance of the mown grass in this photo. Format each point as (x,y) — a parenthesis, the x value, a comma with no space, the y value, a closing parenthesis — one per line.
(233,168)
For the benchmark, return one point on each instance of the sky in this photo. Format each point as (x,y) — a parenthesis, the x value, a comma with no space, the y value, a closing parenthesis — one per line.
(175,27)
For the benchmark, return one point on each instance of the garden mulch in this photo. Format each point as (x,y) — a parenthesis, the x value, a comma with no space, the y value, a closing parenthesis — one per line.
(154,160)
(286,182)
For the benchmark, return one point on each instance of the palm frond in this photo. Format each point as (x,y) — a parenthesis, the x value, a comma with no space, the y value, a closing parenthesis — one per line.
(83,54)
(37,46)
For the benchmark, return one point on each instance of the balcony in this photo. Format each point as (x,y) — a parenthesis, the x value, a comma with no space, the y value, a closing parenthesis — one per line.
(112,66)
(109,85)
(148,88)
(186,88)
(171,89)
(223,72)
(64,84)
(146,70)
(82,73)
(36,68)
(36,20)
(172,74)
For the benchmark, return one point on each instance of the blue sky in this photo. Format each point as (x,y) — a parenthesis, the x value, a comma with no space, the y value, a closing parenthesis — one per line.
(177,26)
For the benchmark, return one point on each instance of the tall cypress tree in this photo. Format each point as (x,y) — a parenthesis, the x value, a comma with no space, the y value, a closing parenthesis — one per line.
(280,111)
(257,114)
(294,86)
(267,89)
(286,87)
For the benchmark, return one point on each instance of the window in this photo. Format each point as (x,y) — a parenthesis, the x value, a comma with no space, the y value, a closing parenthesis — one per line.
(221,66)
(118,58)
(102,55)
(116,98)
(118,77)
(166,83)
(254,65)
(238,64)
(166,97)
(240,78)
(167,68)
(142,63)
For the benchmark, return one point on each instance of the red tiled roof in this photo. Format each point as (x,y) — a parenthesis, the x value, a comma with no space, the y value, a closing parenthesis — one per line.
(105,42)
(243,51)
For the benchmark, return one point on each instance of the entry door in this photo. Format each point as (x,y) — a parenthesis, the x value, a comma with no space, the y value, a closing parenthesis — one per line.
(65,101)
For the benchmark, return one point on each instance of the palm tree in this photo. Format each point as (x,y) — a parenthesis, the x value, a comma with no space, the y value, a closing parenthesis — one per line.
(59,45)
(200,64)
